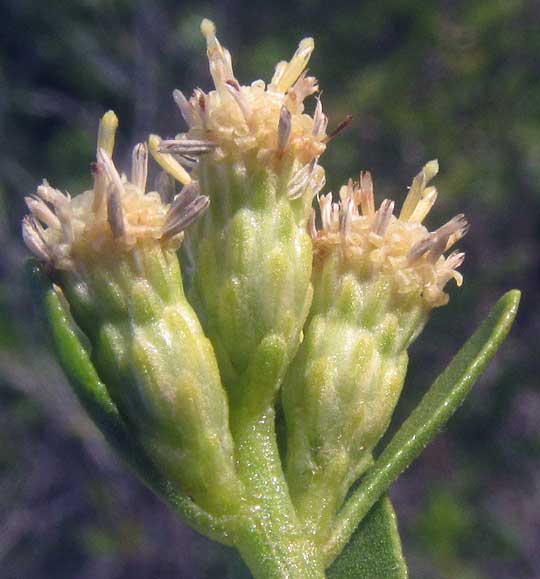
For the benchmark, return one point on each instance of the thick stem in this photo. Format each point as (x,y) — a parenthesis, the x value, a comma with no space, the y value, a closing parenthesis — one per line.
(271,541)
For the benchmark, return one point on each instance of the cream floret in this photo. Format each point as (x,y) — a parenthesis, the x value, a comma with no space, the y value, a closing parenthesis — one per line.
(116,215)
(375,241)
(258,124)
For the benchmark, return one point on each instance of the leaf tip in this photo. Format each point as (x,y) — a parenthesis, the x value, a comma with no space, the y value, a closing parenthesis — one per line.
(509,303)
(513,297)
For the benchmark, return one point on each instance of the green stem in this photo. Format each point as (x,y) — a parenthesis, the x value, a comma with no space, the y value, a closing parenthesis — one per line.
(271,542)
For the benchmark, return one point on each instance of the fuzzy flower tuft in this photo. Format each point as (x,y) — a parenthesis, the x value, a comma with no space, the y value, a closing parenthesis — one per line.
(260,124)
(114,216)
(375,241)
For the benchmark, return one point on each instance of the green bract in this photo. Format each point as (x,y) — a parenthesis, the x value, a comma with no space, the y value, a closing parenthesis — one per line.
(322,306)
(342,388)
(160,369)
(260,248)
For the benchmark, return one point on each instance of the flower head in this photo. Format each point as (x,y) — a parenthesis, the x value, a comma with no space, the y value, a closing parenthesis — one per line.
(401,247)
(261,124)
(115,215)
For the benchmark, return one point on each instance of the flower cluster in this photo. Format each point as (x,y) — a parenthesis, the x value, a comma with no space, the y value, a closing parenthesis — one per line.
(377,242)
(308,310)
(256,125)
(115,215)
(268,121)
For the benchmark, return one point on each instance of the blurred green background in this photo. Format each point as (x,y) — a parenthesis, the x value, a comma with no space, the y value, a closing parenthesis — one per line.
(453,80)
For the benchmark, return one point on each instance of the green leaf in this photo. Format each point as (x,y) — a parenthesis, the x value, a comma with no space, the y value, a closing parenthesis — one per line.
(374,551)
(441,401)
(75,360)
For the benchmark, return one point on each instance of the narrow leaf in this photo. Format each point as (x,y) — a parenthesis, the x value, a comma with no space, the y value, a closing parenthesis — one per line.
(374,551)
(441,401)
(74,359)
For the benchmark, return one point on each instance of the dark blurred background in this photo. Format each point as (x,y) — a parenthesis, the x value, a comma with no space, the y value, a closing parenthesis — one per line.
(453,80)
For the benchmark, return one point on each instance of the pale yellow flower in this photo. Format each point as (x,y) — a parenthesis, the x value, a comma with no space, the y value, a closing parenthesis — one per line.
(375,241)
(117,214)
(253,126)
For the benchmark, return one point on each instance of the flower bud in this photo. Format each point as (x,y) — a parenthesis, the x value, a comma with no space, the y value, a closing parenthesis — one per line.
(112,252)
(376,277)
(253,151)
